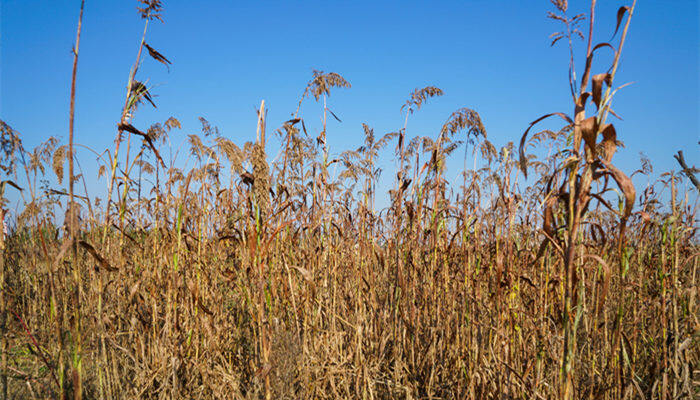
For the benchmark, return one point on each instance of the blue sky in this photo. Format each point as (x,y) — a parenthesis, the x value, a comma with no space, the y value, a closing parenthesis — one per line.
(492,56)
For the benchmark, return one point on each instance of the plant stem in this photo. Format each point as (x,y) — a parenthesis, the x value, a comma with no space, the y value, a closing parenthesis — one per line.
(73,227)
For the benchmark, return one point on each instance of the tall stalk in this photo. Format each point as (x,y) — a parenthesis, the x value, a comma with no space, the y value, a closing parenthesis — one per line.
(122,120)
(3,307)
(73,228)
(580,170)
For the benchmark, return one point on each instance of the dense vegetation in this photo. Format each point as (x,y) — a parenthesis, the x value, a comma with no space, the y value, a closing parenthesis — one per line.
(240,276)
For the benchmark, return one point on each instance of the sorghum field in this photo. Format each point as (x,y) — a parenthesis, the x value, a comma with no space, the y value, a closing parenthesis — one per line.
(218,270)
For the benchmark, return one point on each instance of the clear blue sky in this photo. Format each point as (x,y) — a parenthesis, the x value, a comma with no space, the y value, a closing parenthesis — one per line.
(492,56)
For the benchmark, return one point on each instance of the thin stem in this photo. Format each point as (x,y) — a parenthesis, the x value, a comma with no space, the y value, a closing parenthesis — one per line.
(125,112)
(73,227)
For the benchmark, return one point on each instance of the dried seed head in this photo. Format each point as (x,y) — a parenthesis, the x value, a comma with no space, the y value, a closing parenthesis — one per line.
(59,157)
(419,96)
(261,178)
(151,9)
(321,83)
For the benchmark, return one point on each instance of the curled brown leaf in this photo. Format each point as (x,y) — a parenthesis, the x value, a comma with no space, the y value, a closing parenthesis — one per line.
(609,142)
(620,14)
(625,185)
(589,131)
(523,139)
(597,83)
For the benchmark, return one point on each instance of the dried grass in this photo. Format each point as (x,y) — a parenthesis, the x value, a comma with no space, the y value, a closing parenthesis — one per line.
(239,277)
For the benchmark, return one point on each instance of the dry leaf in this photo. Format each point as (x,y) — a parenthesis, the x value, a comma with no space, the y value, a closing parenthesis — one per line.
(609,142)
(620,13)
(597,83)
(523,160)
(157,56)
(100,260)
